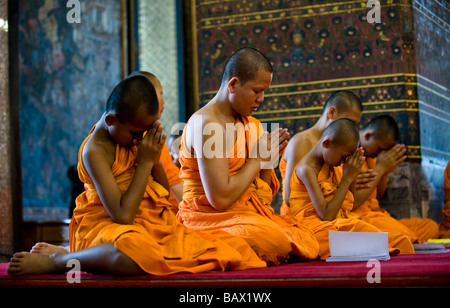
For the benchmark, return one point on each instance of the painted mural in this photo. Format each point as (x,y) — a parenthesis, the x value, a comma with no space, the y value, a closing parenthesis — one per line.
(66,73)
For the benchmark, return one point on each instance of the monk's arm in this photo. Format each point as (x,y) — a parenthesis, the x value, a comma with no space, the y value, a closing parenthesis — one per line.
(325,210)
(123,207)
(362,195)
(293,154)
(177,191)
(159,175)
(222,189)
(387,161)
(266,176)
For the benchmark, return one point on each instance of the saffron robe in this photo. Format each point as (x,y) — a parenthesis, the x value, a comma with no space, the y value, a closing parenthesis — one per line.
(172,173)
(156,240)
(424,228)
(251,217)
(444,228)
(302,207)
(371,212)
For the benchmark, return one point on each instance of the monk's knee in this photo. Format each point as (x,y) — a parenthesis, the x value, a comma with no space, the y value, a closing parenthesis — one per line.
(269,241)
(272,245)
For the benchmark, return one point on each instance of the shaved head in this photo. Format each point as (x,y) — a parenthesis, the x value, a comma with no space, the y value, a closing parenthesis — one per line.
(342,132)
(343,101)
(149,75)
(245,64)
(383,127)
(130,95)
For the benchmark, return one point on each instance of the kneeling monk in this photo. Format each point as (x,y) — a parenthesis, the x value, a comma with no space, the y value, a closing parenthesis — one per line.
(322,193)
(122,223)
(229,181)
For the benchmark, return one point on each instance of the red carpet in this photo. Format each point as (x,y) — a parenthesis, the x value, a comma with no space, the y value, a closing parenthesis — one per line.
(420,270)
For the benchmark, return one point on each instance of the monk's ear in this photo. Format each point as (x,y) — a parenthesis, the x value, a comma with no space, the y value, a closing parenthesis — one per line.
(368,135)
(232,84)
(332,113)
(327,143)
(111,119)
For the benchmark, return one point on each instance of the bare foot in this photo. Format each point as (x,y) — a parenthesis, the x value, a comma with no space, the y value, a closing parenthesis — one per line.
(23,263)
(48,249)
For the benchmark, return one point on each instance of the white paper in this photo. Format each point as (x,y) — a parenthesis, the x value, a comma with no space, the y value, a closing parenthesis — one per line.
(359,258)
(430,248)
(353,246)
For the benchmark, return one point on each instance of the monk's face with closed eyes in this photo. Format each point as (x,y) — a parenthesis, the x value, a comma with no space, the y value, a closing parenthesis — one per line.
(246,97)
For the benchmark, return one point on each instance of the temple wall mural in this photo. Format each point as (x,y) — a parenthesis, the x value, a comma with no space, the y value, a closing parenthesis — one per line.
(67,71)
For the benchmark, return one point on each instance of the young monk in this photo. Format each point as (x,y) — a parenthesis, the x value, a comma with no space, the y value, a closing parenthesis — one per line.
(444,228)
(122,224)
(227,185)
(171,169)
(342,104)
(383,155)
(322,193)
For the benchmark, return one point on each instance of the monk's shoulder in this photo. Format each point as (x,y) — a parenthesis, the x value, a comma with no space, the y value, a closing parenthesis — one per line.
(299,145)
(305,137)
(98,148)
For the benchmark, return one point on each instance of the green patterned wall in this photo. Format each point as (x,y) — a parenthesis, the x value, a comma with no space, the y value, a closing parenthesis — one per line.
(158,52)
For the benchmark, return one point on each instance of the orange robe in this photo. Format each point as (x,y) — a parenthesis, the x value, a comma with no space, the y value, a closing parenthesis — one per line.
(424,228)
(172,173)
(371,212)
(444,228)
(251,217)
(302,207)
(156,240)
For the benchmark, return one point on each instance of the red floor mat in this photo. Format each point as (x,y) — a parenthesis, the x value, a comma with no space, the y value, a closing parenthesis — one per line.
(427,270)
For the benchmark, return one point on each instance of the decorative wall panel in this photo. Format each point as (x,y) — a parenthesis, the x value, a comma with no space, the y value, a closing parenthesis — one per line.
(318,47)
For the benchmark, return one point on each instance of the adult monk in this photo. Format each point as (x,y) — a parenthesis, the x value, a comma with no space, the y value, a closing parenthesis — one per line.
(342,104)
(444,228)
(383,155)
(229,181)
(122,223)
(322,192)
